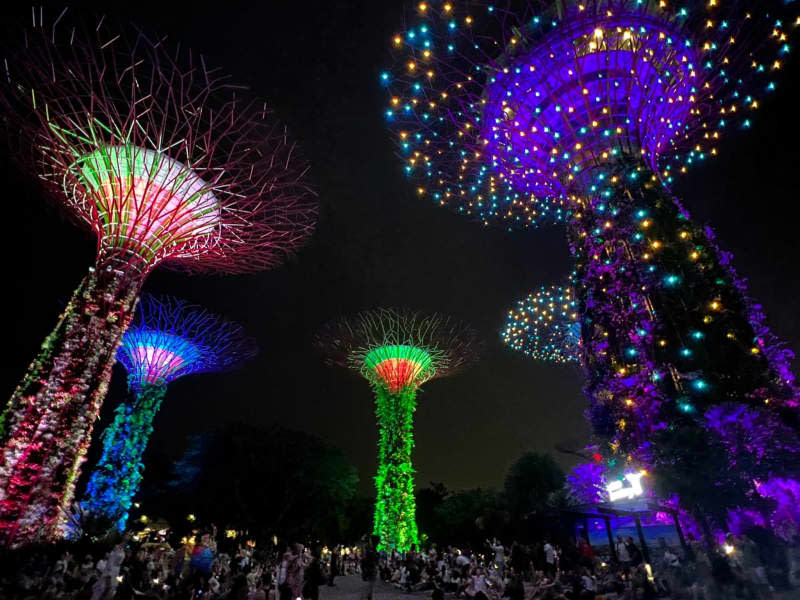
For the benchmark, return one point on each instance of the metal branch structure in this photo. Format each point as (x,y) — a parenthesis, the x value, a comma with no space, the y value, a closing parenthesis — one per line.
(546,325)
(583,112)
(397,351)
(166,162)
(168,339)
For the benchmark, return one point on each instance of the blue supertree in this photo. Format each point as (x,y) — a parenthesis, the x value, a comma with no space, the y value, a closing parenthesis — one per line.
(169,338)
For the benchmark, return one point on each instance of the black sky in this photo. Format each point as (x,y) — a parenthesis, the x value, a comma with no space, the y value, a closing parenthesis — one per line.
(378,245)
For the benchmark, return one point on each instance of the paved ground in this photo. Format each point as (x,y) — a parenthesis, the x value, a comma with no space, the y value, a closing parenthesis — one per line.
(350,588)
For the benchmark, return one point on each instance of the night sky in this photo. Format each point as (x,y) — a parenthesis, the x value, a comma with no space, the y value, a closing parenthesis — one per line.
(377,244)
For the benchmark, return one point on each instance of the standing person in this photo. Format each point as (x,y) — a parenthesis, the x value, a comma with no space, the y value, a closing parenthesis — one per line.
(586,554)
(203,555)
(284,593)
(633,552)
(519,559)
(294,571)
(369,567)
(334,568)
(550,558)
(623,556)
(752,566)
(702,562)
(792,557)
(499,554)
(671,570)
(314,577)
(113,566)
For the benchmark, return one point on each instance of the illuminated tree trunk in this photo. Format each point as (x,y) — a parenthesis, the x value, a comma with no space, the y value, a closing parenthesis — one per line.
(116,477)
(667,329)
(395,520)
(46,427)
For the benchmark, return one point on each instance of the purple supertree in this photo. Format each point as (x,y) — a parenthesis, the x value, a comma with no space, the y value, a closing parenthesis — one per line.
(168,339)
(166,163)
(583,112)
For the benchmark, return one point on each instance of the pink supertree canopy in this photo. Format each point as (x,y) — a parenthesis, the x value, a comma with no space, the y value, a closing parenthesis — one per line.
(158,154)
(166,161)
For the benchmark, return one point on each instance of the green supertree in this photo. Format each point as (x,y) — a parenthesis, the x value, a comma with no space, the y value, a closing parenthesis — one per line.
(397,351)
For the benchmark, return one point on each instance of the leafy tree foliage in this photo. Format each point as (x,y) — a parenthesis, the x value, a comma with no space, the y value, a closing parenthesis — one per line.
(532,484)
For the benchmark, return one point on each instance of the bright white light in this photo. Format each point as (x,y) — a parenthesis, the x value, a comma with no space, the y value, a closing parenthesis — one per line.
(617,490)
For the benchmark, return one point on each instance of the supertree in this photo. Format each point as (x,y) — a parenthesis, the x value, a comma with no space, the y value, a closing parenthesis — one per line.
(545,325)
(397,351)
(583,111)
(168,339)
(166,163)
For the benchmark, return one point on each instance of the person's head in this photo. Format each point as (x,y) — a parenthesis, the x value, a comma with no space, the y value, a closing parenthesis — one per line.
(374,540)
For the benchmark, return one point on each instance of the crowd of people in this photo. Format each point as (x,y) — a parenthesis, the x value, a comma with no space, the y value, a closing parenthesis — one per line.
(738,568)
(196,570)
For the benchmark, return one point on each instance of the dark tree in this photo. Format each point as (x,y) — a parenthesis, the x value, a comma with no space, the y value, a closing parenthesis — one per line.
(428,500)
(269,481)
(468,517)
(532,483)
